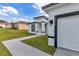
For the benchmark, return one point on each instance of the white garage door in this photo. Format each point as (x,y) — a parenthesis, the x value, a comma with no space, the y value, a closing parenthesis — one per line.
(68,32)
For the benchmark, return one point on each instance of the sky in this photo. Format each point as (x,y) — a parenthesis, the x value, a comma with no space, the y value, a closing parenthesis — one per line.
(13,12)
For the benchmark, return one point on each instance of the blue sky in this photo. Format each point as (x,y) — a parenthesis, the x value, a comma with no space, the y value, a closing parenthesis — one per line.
(13,12)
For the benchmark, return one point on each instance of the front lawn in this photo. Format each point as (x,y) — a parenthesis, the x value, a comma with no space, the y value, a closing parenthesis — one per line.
(40,43)
(8,34)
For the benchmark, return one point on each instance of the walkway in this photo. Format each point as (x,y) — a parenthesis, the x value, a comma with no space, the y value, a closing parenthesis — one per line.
(17,48)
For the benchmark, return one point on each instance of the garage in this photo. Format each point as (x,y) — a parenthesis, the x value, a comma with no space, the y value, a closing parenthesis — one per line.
(64,32)
(67,31)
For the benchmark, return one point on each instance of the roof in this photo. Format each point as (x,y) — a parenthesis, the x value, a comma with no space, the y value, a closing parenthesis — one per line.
(51,4)
(38,22)
(3,21)
(40,17)
(23,22)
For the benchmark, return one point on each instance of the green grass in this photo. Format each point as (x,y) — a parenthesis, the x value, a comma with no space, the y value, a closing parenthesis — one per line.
(8,34)
(40,43)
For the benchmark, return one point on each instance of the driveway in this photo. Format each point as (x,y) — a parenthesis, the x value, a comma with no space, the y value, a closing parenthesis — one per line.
(65,52)
(17,48)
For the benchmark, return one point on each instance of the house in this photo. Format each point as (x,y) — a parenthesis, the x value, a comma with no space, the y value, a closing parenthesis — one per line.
(39,26)
(32,27)
(3,24)
(63,25)
(21,25)
(9,25)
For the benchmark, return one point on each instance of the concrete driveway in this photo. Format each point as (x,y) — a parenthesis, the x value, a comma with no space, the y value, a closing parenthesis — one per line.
(65,52)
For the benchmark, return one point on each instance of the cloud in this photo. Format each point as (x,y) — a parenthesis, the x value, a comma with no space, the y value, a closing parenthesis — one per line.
(35,6)
(38,6)
(19,19)
(1,18)
(12,14)
(3,14)
(10,10)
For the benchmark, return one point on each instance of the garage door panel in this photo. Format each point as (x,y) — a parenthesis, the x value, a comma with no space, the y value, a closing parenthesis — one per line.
(68,32)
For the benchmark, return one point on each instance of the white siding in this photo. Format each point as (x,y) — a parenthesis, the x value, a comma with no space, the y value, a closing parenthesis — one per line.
(3,25)
(40,25)
(50,42)
(30,28)
(43,27)
(61,10)
(66,8)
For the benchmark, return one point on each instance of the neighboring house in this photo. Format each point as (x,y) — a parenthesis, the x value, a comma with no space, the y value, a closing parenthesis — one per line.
(63,25)
(32,27)
(3,24)
(21,25)
(39,26)
(9,25)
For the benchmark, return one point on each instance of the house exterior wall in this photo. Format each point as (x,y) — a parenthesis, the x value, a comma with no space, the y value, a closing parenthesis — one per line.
(43,27)
(40,25)
(62,9)
(15,25)
(3,25)
(36,27)
(51,41)
(22,26)
(29,26)
(9,25)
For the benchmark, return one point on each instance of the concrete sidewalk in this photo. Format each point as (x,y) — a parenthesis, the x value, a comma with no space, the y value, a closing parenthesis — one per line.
(65,52)
(17,48)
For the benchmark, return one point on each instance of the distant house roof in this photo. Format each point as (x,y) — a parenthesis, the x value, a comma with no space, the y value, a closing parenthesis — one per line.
(3,21)
(40,17)
(51,4)
(23,22)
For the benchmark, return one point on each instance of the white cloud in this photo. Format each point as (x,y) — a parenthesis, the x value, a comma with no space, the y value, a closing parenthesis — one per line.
(10,10)
(19,19)
(23,19)
(2,18)
(38,6)
(3,14)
